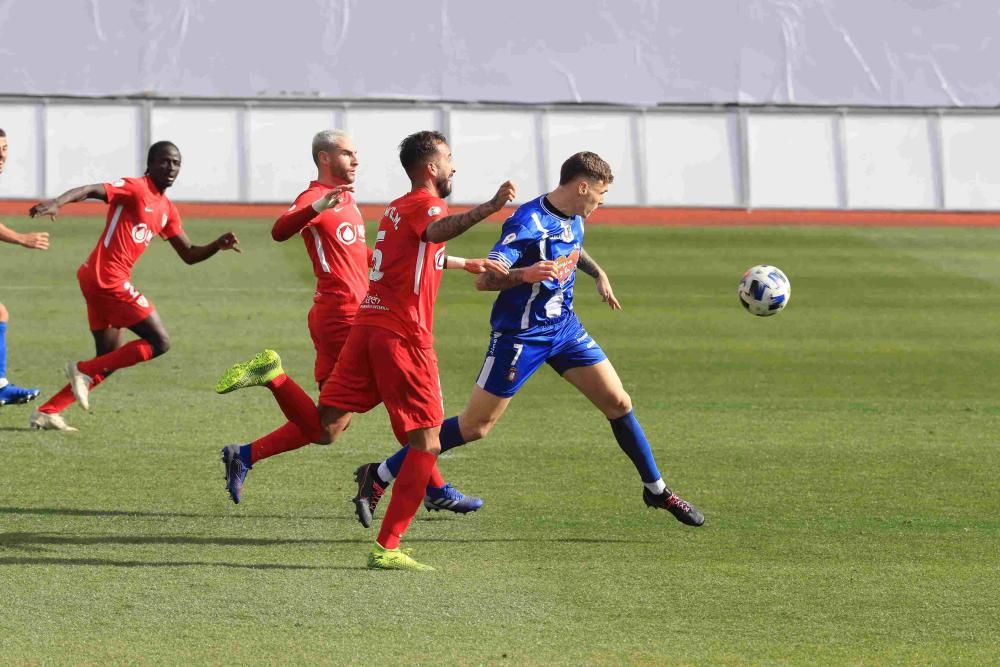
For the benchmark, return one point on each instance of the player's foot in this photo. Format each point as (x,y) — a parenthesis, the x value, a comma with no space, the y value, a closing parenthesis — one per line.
(381,558)
(11,394)
(682,510)
(45,421)
(256,372)
(370,491)
(449,498)
(236,461)
(79,383)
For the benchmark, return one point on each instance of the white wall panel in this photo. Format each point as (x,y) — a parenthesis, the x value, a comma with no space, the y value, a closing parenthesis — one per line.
(21,175)
(377,133)
(792,160)
(490,147)
(280,151)
(970,147)
(607,134)
(91,144)
(691,160)
(208,140)
(888,162)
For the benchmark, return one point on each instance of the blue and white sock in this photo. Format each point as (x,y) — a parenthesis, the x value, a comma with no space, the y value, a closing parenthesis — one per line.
(633,442)
(451,437)
(3,355)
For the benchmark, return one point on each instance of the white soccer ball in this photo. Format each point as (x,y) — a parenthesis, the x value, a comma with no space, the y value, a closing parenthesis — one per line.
(764,290)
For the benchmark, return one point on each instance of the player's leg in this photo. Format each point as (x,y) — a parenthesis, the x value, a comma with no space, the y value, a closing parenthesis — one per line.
(49,414)
(601,385)
(10,393)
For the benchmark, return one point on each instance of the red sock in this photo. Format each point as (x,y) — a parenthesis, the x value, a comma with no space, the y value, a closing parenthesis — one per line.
(284,439)
(64,397)
(297,406)
(436,480)
(407,493)
(127,355)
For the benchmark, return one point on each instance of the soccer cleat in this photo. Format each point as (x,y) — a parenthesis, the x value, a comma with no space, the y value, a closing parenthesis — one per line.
(45,421)
(449,498)
(256,372)
(370,491)
(11,394)
(682,510)
(79,383)
(236,471)
(380,558)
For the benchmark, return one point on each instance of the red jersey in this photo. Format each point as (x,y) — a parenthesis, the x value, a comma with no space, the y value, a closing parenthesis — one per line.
(335,241)
(406,270)
(137,212)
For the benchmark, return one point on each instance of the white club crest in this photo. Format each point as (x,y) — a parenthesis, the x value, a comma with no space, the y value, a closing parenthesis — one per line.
(433,210)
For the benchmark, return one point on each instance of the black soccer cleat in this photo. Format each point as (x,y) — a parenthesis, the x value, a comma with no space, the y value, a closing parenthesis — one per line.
(370,491)
(682,510)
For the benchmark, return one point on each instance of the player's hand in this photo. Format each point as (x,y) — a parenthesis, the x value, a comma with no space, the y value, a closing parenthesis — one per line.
(35,240)
(504,195)
(228,241)
(607,295)
(332,198)
(539,271)
(479,265)
(49,208)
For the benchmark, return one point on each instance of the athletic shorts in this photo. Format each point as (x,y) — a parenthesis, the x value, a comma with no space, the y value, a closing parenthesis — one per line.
(514,356)
(379,366)
(118,307)
(329,329)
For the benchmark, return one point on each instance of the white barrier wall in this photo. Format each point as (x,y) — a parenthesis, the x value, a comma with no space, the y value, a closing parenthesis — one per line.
(739,157)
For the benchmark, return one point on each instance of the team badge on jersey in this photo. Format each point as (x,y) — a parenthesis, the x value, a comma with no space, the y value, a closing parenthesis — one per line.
(346,233)
(510,237)
(433,210)
(567,233)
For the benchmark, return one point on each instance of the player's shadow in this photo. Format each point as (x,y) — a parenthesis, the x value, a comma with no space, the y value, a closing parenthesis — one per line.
(107,562)
(28,541)
(70,511)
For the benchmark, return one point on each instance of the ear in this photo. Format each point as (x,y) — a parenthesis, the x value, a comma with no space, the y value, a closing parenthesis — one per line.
(582,186)
(432,169)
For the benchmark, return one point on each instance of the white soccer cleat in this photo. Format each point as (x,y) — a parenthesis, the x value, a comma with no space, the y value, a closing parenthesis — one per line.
(44,421)
(79,384)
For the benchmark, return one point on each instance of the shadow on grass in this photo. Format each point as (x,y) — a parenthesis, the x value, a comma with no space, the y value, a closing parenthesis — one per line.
(68,511)
(102,562)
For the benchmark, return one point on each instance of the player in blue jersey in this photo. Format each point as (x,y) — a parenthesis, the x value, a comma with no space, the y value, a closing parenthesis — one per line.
(533,323)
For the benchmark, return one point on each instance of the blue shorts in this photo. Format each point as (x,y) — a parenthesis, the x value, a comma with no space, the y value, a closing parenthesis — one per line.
(513,357)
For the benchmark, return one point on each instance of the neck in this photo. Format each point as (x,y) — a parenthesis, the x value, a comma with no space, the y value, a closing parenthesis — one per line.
(425,185)
(329,180)
(563,201)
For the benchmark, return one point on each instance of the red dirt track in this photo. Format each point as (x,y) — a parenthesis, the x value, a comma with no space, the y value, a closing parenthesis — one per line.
(624,215)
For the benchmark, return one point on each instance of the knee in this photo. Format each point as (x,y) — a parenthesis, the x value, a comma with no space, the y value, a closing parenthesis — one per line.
(3,313)
(161,344)
(619,405)
(476,429)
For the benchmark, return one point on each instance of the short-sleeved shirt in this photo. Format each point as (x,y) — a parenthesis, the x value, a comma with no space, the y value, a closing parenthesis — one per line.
(406,269)
(137,212)
(533,233)
(335,241)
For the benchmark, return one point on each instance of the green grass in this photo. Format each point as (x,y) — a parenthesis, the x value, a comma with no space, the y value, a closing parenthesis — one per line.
(844,452)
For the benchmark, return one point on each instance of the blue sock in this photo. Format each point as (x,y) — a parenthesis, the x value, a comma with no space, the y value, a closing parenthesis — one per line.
(3,350)
(633,442)
(451,437)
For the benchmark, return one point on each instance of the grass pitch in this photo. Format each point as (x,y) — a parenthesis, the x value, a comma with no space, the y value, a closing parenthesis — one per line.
(844,453)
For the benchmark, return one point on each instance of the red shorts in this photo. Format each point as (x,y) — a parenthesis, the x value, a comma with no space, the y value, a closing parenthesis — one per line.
(379,366)
(329,333)
(118,307)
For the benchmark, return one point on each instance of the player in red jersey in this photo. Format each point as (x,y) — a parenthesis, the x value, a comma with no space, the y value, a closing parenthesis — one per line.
(138,210)
(389,356)
(11,393)
(327,217)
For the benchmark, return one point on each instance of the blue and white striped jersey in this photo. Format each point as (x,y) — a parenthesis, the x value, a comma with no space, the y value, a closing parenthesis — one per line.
(536,232)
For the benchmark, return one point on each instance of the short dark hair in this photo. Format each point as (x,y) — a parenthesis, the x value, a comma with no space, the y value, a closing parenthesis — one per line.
(586,164)
(419,148)
(2,133)
(157,147)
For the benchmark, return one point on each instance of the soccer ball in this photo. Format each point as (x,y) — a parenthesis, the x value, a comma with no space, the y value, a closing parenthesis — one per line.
(764,290)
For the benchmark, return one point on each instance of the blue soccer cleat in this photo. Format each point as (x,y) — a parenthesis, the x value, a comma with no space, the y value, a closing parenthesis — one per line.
(236,470)
(11,394)
(449,498)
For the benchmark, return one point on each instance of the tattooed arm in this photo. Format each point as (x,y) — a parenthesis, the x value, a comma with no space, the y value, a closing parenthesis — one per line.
(587,264)
(451,226)
(491,281)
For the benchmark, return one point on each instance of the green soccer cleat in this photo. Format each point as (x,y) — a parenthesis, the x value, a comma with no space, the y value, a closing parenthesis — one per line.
(381,558)
(254,373)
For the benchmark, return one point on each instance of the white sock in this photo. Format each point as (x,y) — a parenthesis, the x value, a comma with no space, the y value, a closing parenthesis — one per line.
(657,487)
(3,383)
(384,474)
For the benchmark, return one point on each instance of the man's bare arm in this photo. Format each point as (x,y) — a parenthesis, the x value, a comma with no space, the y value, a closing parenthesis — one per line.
(492,281)
(451,226)
(51,206)
(587,264)
(34,240)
